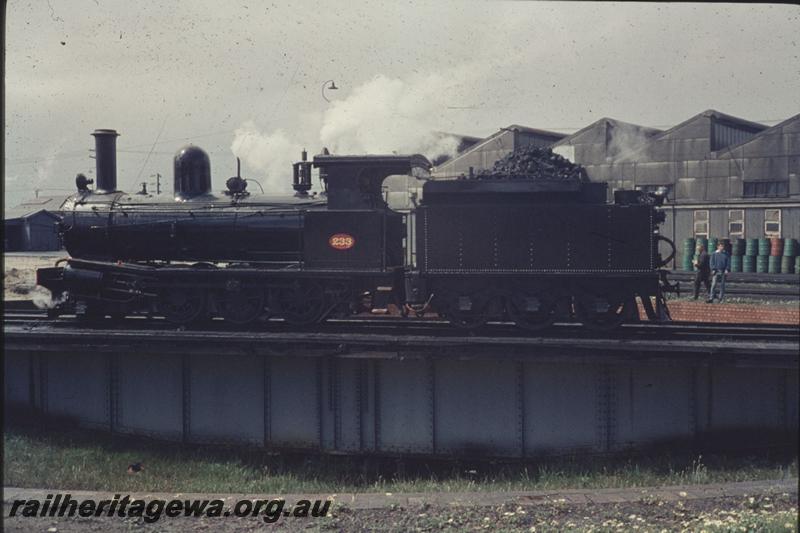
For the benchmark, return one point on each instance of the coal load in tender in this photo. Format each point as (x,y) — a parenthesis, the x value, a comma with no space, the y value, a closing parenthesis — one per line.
(531,163)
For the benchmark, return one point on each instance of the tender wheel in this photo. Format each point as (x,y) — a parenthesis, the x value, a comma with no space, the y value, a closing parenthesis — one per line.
(603,312)
(465,311)
(301,304)
(532,310)
(240,306)
(182,305)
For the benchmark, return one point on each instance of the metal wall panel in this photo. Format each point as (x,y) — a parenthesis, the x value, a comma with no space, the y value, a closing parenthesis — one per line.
(405,406)
(794,178)
(149,395)
(653,403)
(791,414)
(369,418)
(443,406)
(754,223)
(591,153)
(690,189)
(719,168)
(294,402)
(76,385)
(717,189)
(772,168)
(734,403)
(477,408)
(560,407)
(16,378)
(694,169)
(226,399)
(652,173)
(349,405)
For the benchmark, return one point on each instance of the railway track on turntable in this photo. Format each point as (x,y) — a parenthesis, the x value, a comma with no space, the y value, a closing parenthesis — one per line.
(21,318)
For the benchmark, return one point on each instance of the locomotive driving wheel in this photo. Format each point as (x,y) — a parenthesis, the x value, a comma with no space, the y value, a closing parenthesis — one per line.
(302,303)
(239,305)
(602,312)
(532,310)
(182,305)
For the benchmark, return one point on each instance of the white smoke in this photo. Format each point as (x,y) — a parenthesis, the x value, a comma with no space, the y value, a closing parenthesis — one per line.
(390,115)
(271,153)
(382,116)
(42,298)
(627,141)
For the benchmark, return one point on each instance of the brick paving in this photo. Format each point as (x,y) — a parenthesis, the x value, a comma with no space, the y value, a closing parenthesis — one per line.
(731,313)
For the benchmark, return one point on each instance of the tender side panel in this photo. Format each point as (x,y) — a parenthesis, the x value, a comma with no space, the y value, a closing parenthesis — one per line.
(535,238)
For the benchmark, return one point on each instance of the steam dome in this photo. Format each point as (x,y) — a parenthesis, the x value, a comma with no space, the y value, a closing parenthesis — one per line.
(192,173)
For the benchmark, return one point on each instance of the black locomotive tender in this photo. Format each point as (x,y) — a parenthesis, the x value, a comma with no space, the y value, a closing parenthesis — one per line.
(479,249)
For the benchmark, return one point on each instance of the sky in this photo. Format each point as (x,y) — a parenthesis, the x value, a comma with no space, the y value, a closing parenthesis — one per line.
(249,79)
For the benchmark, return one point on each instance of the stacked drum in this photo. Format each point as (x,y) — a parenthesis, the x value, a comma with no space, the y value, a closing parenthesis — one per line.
(767,255)
(790,260)
(737,249)
(762,261)
(688,253)
(750,254)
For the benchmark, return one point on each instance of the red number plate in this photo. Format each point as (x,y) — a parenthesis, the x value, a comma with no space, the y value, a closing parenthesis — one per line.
(342,241)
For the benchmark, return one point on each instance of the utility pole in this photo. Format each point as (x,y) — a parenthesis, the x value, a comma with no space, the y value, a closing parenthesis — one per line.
(158,183)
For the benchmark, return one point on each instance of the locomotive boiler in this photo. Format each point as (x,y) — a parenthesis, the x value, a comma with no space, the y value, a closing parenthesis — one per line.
(498,248)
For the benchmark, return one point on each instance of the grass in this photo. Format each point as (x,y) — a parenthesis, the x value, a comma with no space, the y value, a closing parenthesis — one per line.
(81,461)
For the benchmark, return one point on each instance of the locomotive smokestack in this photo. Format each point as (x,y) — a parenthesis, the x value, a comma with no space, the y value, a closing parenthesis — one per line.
(105,151)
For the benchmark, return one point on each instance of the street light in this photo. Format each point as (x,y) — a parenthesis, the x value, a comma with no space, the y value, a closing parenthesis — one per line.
(332,87)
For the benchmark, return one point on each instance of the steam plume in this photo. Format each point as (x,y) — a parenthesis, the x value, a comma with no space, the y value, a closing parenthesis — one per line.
(271,153)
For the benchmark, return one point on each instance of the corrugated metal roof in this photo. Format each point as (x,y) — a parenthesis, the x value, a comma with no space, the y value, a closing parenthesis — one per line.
(712,113)
(727,152)
(708,114)
(34,205)
(501,131)
(603,122)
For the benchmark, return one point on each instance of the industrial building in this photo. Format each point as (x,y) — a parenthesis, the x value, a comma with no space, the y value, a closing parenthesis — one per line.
(31,226)
(725,177)
(484,153)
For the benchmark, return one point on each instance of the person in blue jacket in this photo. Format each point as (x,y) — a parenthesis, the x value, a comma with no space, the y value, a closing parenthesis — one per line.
(720,266)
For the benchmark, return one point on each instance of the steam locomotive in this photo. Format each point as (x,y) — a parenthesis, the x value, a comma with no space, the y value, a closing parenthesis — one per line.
(508,248)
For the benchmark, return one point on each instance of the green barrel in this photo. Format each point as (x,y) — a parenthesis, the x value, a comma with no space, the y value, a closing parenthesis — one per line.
(790,247)
(764,247)
(787,265)
(712,245)
(736,263)
(749,263)
(703,241)
(774,264)
(688,253)
(762,263)
(751,247)
(738,247)
(728,245)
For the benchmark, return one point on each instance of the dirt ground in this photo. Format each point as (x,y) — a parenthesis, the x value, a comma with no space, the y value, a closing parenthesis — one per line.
(19,276)
(761,511)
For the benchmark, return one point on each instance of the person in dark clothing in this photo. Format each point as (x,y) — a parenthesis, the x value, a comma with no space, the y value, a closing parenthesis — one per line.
(702,271)
(720,266)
